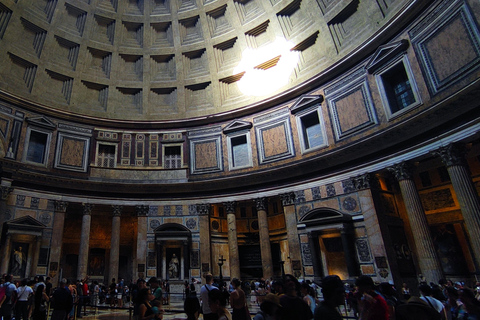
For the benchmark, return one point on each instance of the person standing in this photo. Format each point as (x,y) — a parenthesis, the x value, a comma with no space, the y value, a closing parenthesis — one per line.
(218,303)
(62,301)
(238,302)
(39,306)
(371,304)
(21,307)
(208,314)
(7,305)
(293,306)
(333,295)
(426,295)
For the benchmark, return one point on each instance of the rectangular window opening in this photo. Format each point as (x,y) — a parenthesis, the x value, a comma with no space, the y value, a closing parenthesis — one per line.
(106,156)
(240,151)
(312,131)
(398,89)
(37,147)
(173,157)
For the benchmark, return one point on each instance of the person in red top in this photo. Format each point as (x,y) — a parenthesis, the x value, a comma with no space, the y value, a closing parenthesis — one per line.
(372,306)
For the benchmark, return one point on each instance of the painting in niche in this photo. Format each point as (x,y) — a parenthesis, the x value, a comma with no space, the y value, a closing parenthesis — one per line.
(96,263)
(448,249)
(18,259)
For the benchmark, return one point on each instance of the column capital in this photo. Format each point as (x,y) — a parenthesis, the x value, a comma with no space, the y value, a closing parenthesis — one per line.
(365,181)
(142,210)
(203,209)
(230,206)
(117,210)
(402,171)
(61,206)
(288,199)
(87,208)
(261,204)
(6,190)
(452,155)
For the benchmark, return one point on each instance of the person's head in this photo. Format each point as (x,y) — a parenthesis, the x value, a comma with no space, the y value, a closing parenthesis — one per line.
(425,289)
(364,284)
(191,307)
(386,289)
(236,283)
(41,279)
(217,301)
(153,282)
(145,295)
(141,284)
(24,282)
(208,278)
(278,286)
(467,297)
(8,278)
(63,283)
(271,304)
(291,284)
(333,290)
(47,279)
(305,288)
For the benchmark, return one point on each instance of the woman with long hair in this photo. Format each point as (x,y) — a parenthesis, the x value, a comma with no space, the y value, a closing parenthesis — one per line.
(146,310)
(238,302)
(40,301)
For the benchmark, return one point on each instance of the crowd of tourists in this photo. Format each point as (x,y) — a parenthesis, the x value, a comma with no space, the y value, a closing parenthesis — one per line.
(280,299)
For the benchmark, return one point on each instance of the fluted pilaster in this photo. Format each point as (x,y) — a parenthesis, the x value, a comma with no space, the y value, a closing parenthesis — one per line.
(203,211)
(427,257)
(115,241)
(453,156)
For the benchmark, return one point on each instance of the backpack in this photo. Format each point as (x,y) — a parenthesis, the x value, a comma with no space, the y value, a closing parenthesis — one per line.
(2,293)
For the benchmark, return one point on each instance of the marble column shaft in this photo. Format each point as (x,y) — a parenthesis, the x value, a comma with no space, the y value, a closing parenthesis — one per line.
(427,257)
(288,201)
(233,241)
(84,241)
(6,257)
(265,248)
(453,156)
(115,242)
(203,211)
(142,230)
(57,240)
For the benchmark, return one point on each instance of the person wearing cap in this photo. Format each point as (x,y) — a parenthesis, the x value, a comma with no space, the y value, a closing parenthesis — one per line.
(334,295)
(269,308)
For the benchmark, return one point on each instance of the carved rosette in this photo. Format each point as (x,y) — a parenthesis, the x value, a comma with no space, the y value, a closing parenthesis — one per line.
(288,199)
(117,210)
(452,155)
(87,208)
(203,209)
(230,206)
(261,204)
(142,210)
(402,171)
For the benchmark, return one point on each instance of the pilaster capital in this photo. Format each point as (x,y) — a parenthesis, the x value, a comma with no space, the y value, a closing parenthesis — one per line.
(452,155)
(288,199)
(87,208)
(230,206)
(203,209)
(402,171)
(142,210)
(365,181)
(261,204)
(117,210)
(61,206)
(6,190)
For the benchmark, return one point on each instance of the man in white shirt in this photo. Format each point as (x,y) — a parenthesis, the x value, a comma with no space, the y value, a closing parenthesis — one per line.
(426,295)
(6,309)
(207,312)
(21,307)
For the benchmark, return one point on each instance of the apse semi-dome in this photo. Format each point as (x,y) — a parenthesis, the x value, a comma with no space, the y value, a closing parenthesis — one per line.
(170,60)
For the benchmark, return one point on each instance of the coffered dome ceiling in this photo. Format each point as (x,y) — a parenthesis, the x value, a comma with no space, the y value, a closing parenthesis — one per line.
(170,60)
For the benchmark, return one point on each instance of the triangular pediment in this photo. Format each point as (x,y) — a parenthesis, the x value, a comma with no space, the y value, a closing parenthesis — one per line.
(386,53)
(42,122)
(25,225)
(237,125)
(304,102)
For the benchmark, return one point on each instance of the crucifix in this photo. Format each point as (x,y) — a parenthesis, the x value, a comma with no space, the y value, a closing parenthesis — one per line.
(220,264)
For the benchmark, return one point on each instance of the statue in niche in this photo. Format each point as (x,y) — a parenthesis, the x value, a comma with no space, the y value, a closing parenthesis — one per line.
(19,262)
(173,267)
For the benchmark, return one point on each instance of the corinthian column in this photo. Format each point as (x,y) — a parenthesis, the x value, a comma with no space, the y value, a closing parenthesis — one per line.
(84,241)
(427,257)
(203,211)
(232,240)
(115,241)
(453,157)
(265,248)
(142,228)
(57,240)
(295,261)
